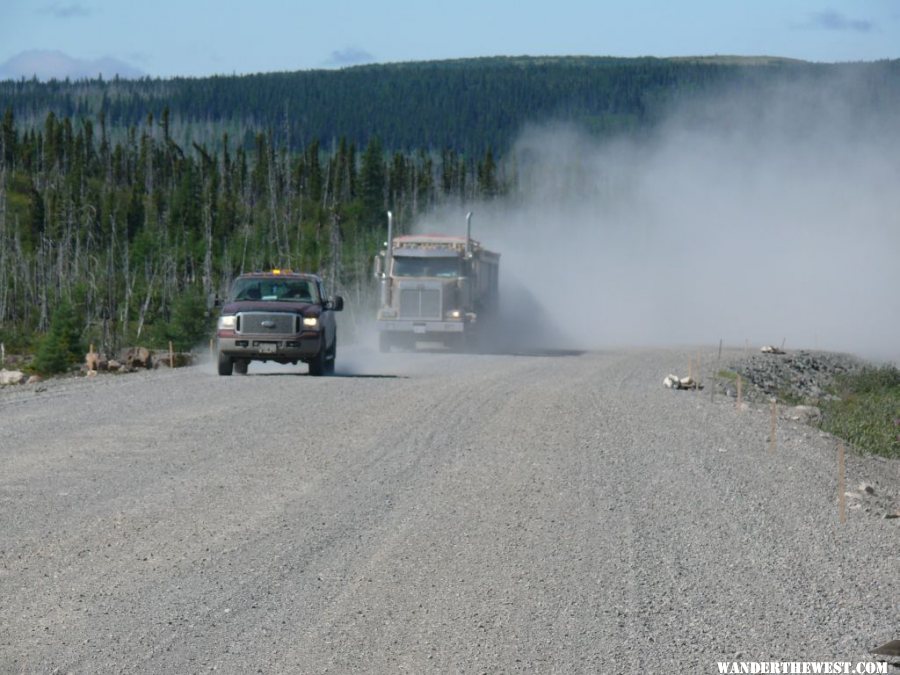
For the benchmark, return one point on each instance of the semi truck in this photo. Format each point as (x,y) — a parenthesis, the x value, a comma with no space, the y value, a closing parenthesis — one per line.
(435,288)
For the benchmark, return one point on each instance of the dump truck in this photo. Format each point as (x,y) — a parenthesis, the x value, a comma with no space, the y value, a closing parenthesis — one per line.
(436,288)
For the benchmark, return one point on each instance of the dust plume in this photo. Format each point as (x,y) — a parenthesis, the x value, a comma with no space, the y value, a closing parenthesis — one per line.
(765,216)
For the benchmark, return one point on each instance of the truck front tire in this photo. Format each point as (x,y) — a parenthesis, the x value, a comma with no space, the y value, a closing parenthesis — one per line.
(318,365)
(331,357)
(226,364)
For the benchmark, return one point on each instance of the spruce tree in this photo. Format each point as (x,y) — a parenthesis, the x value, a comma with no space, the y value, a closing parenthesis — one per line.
(61,347)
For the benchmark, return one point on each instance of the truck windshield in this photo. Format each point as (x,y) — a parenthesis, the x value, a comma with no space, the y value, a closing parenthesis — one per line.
(282,290)
(426,267)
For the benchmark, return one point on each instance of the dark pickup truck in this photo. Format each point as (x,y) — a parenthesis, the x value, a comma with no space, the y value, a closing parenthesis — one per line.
(277,316)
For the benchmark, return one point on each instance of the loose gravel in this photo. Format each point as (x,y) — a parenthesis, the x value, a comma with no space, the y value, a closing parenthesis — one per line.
(431,513)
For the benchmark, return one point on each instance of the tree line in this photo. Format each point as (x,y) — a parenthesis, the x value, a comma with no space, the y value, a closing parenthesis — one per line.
(468,105)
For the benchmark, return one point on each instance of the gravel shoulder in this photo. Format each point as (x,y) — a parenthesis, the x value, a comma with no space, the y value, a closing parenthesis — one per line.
(431,513)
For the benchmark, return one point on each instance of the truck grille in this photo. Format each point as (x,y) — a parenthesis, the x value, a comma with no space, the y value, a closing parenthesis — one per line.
(267,323)
(420,303)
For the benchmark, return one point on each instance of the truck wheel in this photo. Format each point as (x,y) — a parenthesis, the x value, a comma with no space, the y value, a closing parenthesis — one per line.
(384,342)
(226,364)
(331,357)
(240,367)
(317,364)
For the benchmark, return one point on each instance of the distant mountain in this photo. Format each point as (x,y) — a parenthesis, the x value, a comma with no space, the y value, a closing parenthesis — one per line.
(48,65)
(467,105)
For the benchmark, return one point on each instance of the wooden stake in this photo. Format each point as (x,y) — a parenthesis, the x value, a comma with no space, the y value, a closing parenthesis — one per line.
(712,389)
(690,369)
(739,400)
(171,355)
(699,372)
(772,434)
(842,497)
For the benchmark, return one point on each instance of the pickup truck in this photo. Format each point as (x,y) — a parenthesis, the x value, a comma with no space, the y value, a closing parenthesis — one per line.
(279,316)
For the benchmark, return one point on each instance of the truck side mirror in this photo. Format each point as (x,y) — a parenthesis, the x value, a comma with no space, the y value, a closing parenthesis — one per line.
(336,303)
(379,266)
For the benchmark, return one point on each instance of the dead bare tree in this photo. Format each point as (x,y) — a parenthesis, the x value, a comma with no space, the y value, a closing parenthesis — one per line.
(4,247)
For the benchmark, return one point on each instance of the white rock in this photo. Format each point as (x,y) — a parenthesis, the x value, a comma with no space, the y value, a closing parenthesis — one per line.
(11,376)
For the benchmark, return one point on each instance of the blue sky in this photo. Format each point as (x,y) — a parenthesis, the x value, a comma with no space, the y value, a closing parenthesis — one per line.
(165,38)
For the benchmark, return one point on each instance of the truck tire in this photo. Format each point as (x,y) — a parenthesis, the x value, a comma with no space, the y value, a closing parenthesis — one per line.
(240,366)
(317,364)
(226,364)
(331,357)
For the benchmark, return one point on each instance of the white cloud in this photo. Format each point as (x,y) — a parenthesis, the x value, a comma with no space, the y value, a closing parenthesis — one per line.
(832,20)
(66,11)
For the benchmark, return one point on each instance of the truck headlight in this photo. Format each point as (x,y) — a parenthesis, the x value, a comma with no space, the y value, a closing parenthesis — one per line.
(310,321)
(454,314)
(228,322)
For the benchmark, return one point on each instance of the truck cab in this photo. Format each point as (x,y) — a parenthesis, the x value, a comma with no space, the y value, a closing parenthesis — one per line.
(435,288)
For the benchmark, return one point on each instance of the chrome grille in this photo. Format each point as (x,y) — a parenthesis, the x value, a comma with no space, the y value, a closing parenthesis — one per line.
(267,323)
(420,303)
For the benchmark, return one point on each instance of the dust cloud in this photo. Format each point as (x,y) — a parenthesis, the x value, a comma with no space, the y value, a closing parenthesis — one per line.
(761,217)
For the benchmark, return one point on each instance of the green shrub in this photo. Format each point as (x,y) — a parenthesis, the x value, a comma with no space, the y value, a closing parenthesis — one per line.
(190,323)
(867,412)
(61,347)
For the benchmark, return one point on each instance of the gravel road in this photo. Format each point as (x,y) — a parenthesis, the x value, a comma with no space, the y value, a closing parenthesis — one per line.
(430,513)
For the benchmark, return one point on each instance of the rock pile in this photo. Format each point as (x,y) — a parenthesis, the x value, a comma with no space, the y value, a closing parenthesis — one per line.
(801,376)
(128,361)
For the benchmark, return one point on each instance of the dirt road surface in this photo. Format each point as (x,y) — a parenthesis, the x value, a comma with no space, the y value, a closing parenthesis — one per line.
(429,513)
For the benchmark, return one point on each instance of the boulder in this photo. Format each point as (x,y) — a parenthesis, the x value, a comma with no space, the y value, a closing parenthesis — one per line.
(675,382)
(182,359)
(11,377)
(867,488)
(138,357)
(34,379)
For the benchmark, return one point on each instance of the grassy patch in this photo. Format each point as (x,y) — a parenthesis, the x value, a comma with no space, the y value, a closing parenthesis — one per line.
(787,396)
(727,375)
(867,412)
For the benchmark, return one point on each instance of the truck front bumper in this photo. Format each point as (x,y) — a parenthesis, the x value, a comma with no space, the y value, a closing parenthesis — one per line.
(413,327)
(282,348)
